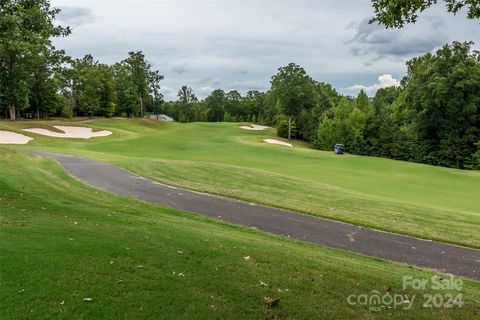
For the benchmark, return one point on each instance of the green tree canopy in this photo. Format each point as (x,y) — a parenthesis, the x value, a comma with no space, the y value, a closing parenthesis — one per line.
(26,29)
(395,14)
(185,102)
(293,91)
(139,69)
(126,90)
(443,103)
(215,103)
(155,77)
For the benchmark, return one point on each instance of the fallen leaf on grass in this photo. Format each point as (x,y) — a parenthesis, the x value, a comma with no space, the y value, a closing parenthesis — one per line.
(263,284)
(246,258)
(87,299)
(271,302)
(63,301)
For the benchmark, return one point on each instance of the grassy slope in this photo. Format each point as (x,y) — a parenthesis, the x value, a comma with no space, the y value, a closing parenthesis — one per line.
(62,241)
(424,201)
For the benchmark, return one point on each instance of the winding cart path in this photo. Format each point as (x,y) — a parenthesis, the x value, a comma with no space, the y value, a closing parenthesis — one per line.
(443,257)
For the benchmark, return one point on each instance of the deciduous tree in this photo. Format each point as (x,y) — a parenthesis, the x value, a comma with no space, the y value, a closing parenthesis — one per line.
(395,14)
(139,69)
(26,29)
(293,91)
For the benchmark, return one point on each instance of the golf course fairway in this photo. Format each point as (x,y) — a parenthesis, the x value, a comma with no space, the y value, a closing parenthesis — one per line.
(220,158)
(71,251)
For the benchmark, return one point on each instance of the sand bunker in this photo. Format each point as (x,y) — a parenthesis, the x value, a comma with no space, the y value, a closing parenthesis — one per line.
(8,137)
(273,141)
(70,132)
(254,127)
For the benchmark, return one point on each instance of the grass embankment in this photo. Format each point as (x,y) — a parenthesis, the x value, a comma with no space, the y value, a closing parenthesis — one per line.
(413,199)
(62,241)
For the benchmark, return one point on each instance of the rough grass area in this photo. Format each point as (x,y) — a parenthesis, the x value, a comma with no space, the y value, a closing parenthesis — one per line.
(62,242)
(414,199)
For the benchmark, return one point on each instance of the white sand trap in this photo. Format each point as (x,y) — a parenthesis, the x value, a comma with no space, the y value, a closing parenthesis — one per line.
(8,137)
(254,127)
(70,132)
(273,141)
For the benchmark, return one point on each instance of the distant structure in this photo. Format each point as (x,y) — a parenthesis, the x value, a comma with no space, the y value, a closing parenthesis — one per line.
(161,117)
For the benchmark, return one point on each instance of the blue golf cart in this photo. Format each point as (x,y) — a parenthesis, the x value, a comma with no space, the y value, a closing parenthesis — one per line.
(338,148)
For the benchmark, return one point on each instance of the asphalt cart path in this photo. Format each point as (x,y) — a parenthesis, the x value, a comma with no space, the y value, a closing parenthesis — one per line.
(443,257)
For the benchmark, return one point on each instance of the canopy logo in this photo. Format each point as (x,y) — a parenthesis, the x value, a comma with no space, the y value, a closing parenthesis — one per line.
(375,301)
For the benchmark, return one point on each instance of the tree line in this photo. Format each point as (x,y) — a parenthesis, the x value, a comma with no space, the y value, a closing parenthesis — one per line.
(433,117)
(83,87)
(38,80)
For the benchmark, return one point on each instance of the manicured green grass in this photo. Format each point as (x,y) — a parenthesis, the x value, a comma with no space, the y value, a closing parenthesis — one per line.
(62,241)
(414,199)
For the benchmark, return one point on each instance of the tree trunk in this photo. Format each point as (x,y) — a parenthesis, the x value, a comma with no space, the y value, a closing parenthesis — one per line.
(73,103)
(38,108)
(141,106)
(289,128)
(36,97)
(154,102)
(12,112)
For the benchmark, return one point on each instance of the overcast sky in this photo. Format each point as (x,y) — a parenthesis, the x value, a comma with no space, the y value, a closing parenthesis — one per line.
(240,44)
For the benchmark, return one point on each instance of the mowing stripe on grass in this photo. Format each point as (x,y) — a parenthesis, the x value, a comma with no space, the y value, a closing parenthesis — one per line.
(431,254)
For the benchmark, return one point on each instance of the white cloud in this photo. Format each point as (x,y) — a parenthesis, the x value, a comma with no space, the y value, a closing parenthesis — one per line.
(180,68)
(384,81)
(241,44)
(76,16)
(374,39)
(244,86)
(209,81)
(202,92)
(168,93)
